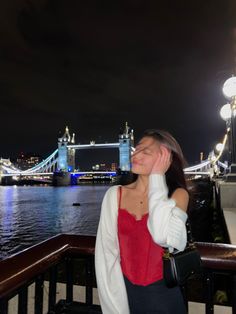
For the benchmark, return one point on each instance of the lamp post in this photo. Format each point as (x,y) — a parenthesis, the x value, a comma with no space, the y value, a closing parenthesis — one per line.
(225,114)
(229,112)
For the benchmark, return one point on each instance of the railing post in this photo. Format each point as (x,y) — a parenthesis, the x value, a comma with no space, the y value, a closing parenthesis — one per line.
(69,281)
(23,301)
(52,289)
(89,280)
(3,306)
(209,292)
(234,294)
(38,301)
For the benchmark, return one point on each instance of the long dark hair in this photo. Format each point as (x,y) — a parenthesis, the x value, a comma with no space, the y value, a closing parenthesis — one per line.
(175,175)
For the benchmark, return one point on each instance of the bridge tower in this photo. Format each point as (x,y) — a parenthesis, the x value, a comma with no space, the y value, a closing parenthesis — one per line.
(71,155)
(66,157)
(126,140)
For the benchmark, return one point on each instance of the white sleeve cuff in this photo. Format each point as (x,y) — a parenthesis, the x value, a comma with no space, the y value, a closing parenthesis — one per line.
(177,235)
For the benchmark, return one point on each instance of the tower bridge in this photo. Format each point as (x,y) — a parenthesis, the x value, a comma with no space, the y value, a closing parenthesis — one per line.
(62,160)
(67,148)
(61,163)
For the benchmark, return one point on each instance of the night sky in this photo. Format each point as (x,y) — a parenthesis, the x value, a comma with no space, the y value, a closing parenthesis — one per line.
(92,65)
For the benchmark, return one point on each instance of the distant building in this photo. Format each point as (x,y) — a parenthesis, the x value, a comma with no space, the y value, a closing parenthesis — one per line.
(114,166)
(100,167)
(105,167)
(27,160)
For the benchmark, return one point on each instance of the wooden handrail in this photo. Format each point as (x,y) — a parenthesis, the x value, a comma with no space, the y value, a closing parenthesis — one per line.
(218,255)
(22,267)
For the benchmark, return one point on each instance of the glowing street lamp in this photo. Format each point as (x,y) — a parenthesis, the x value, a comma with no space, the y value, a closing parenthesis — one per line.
(229,87)
(228,113)
(225,112)
(219,147)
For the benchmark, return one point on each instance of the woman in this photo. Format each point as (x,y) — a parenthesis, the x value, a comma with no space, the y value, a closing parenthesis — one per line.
(137,221)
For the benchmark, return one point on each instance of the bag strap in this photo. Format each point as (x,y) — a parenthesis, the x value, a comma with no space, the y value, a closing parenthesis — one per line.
(120,195)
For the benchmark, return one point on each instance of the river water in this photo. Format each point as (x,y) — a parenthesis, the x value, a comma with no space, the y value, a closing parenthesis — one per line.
(31,214)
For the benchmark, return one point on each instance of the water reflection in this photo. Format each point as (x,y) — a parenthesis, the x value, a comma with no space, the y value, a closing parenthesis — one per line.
(29,215)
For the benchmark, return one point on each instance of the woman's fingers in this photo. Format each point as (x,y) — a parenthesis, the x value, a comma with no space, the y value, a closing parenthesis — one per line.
(166,154)
(163,160)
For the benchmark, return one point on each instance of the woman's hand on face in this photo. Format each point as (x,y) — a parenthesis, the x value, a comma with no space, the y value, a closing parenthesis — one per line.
(163,161)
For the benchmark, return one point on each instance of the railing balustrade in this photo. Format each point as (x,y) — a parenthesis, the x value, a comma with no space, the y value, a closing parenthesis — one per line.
(217,258)
(18,272)
(41,262)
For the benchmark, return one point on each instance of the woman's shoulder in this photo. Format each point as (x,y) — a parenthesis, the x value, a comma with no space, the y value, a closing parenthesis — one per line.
(181,192)
(129,186)
(110,200)
(112,190)
(181,197)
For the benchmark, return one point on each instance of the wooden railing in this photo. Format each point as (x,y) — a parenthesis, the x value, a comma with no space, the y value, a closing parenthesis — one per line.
(18,272)
(218,259)
(30,266)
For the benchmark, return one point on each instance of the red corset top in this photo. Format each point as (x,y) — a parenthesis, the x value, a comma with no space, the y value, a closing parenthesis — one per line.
(141,257)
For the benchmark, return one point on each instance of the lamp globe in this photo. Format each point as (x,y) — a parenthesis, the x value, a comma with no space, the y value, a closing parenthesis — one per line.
(229,87)
(225,112)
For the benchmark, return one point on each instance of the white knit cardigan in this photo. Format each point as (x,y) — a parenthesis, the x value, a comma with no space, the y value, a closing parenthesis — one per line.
(166,224)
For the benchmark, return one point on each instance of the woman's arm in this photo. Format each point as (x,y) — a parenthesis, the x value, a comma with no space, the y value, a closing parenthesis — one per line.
(181,198)
(167,216)
(110,281)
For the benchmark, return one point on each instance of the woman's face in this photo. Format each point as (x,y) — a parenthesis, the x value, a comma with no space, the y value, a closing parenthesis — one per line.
(145,155)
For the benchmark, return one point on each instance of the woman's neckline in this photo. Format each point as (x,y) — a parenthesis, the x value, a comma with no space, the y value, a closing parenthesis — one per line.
(133,215)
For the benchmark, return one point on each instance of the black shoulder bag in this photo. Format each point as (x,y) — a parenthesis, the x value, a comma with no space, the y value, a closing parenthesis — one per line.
(179,266)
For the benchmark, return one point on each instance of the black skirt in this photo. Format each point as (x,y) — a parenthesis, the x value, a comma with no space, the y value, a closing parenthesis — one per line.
(155,298)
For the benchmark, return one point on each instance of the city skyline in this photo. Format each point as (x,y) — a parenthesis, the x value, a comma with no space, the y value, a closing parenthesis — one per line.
(95,66)
(86,162)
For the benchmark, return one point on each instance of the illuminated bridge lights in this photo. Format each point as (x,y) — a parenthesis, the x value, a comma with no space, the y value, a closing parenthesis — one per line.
(93,145)
(92,173)
(47,165)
